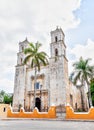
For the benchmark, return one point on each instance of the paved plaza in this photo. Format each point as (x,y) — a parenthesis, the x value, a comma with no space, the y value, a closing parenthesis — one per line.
(45,125)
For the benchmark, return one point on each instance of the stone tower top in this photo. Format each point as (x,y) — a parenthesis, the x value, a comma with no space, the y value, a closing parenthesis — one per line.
(57,35)
(23,45)
(57,46)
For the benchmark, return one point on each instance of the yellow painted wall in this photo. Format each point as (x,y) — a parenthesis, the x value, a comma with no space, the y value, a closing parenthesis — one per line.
(70,114)
(35,114)
(3,114)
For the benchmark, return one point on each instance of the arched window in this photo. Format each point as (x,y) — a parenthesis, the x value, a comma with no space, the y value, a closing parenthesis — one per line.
(56,39)
(56,52)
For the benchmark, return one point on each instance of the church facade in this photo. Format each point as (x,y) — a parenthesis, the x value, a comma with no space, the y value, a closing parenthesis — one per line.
(52,87)
(52,80)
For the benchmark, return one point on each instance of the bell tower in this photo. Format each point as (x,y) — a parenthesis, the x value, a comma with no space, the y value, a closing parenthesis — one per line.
(58,68)
(20,74)
(57,46)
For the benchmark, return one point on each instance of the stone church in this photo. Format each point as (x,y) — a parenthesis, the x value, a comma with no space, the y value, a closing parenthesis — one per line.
(52,87)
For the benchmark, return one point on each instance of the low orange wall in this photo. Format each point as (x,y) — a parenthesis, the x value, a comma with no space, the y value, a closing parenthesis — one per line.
(3,110)
(35,114)
(70,114)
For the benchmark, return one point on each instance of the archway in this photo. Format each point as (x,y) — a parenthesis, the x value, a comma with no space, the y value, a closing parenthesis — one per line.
(38,103)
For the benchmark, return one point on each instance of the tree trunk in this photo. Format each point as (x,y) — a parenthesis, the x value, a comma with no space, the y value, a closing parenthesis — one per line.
(82,101)
(89,97)
(35,79)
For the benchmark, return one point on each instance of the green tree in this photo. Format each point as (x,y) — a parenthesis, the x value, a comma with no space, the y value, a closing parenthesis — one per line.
(5,97)
(83,72)
(2,93)
(36,59)
(92,90)
(8,99)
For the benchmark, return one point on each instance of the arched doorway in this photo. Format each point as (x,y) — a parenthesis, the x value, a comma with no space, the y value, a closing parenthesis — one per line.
(38,104)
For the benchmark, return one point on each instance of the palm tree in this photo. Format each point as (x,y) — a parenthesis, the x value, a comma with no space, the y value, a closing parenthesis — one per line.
(36,59)
(83,72)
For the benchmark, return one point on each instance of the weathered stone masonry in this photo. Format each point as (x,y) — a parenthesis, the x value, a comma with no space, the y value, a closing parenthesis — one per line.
(52,80)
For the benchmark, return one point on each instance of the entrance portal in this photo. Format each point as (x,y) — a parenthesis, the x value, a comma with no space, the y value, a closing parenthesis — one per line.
(38,104)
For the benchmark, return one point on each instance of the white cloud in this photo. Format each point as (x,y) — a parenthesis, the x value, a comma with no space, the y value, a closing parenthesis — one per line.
(34,19)
(86,51)
(6,85)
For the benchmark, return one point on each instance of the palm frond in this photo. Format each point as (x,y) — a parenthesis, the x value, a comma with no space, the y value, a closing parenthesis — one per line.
(84,70)
(27,58)
(44,54)
(32,46)
(87,60)
(28,50)
(43,61)
(38,45)
(36,58)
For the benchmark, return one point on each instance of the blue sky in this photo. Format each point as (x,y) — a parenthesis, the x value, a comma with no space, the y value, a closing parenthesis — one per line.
(85,29)
(81,38)
(35,19)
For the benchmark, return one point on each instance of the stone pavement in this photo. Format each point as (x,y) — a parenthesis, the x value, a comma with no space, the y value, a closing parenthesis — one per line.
(44,119)
(33,124)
